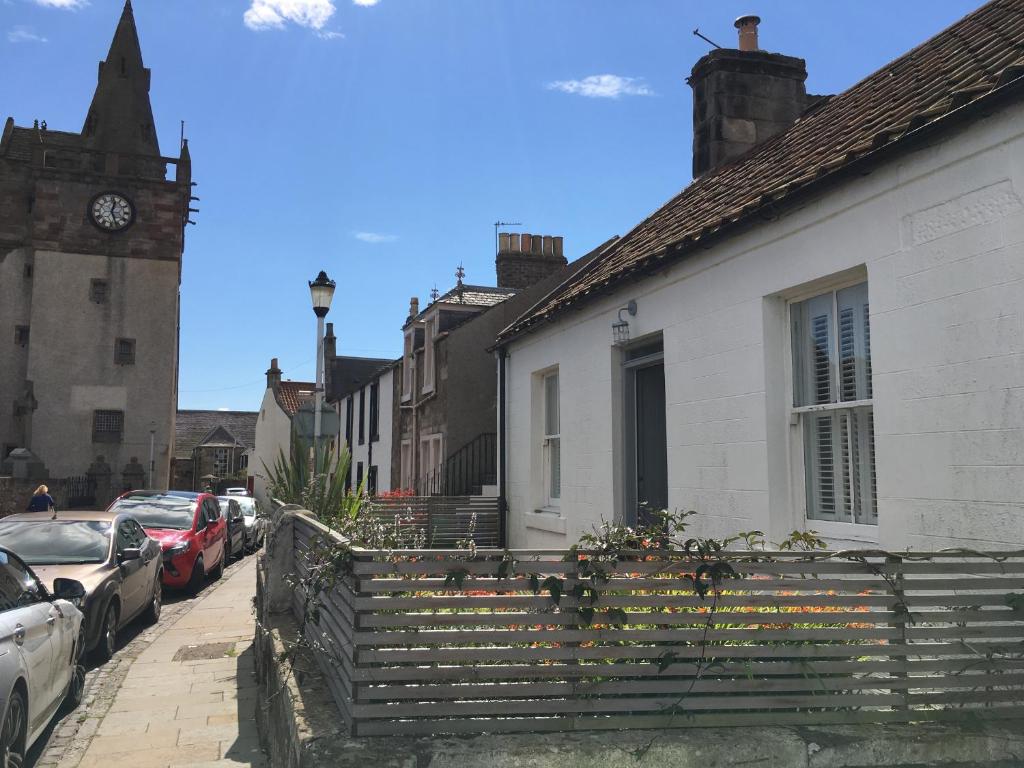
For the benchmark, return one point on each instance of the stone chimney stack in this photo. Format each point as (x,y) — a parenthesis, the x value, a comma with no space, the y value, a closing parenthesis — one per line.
(527,259)
(741,97)
(414,307)
(330,343)
(273,375)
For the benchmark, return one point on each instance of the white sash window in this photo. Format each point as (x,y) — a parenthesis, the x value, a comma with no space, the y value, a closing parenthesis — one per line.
(552,441)
(832,401)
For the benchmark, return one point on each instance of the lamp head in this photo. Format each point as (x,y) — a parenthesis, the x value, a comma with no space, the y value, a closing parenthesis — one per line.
(321,291)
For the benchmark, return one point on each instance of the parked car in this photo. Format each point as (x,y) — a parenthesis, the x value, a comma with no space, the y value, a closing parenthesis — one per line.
(39,638)
(255,523)
(232,513)
(236,492)
(109,553)
(190,530)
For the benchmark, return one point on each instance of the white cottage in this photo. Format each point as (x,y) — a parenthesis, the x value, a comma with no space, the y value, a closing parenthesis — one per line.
(824,331)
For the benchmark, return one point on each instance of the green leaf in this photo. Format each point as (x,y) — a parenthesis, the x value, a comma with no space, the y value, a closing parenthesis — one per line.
(554,585)
(587,616)
(1015,600)
(617,616)
(666,660)
(535,583)
(457,577)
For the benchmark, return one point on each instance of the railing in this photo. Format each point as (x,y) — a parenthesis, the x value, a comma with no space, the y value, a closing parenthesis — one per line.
(442,521)
(419,642)
(473,466)
(78,492)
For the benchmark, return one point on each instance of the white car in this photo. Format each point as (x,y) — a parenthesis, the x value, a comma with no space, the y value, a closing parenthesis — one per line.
(236,492)
(255,523)
(39,648)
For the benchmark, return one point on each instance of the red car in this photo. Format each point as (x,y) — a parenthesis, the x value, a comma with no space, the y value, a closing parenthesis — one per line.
(190,529)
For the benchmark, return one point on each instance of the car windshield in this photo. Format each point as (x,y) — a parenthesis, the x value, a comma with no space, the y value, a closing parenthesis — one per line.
(55,542)
(248,506)
(168,512)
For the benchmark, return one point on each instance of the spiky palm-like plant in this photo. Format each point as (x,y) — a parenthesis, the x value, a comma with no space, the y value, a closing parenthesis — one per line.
(317,485)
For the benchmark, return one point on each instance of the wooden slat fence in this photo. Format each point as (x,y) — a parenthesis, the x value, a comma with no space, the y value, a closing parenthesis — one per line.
(793,640)
(442,520)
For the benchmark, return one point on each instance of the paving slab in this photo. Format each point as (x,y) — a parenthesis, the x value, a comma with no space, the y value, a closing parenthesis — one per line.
(185,697)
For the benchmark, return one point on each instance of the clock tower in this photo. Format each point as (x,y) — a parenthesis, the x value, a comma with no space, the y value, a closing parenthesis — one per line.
(91,240)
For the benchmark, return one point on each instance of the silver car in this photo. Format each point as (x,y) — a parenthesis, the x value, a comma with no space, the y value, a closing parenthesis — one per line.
(255,522)
(40,634)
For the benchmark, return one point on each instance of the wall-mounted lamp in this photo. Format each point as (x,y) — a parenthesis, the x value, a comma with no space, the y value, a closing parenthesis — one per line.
(620,328)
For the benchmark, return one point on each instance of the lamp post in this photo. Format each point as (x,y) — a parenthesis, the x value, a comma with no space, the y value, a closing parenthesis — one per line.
(321,291)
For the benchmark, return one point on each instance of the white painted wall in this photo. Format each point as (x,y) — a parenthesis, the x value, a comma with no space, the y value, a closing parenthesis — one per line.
(273,435)
(940,235)
(381,447)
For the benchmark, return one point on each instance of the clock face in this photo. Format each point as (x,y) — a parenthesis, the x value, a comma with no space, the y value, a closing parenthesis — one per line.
(111,212)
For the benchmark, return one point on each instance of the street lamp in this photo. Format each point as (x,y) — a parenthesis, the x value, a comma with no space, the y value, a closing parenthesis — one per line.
(321,291)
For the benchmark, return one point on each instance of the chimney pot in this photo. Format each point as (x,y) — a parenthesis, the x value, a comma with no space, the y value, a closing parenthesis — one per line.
(747,26)
(547,245)
(414,306)
(503,242)
(513,243)
(527,241)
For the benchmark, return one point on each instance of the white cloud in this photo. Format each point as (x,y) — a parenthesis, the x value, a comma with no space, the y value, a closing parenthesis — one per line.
(365,3)
(603,86)
(24,35)
(273,14)
(223,409)
(375,237)
(66,4)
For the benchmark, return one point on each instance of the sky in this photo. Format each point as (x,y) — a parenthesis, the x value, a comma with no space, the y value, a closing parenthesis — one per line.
(379,140)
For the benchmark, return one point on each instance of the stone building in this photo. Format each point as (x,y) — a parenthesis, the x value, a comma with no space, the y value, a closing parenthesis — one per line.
(91,239)
(212,447)
(445,414)
(822,332)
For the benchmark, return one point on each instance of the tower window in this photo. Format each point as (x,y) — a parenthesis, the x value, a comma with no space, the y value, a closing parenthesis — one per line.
(107,426)
(99,291)
(124,352)
(29,271)
(21,335)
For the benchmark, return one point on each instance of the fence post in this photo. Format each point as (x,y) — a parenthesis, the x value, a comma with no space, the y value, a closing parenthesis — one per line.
(357,619)
(279,560)
(900,608)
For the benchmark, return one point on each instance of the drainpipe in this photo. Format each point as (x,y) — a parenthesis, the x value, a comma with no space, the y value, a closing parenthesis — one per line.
(502,504)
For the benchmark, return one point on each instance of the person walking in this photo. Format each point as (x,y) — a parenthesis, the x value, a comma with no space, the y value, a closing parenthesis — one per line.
(41,501)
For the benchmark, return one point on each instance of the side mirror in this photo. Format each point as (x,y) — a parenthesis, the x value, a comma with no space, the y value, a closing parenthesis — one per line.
(68,589)
(131,553)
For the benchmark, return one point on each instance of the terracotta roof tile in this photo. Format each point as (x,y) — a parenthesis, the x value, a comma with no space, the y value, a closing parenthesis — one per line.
(292,394)
(982,52)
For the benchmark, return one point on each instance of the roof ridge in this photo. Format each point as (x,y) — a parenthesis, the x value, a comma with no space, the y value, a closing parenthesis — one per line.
(936,78)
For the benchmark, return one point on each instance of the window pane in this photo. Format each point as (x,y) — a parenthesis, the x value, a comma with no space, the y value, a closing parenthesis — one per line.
(551,418)
(819,452)
(839,452)
(555,465)
(854,343)
(813,330)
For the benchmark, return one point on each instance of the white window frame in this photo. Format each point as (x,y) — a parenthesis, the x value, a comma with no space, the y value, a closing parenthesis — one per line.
(836,529)
(431,458)
(429,367)
(407,467)
(408,364)
(551,441)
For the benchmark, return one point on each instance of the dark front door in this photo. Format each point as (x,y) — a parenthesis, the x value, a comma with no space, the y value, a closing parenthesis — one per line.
(651,442)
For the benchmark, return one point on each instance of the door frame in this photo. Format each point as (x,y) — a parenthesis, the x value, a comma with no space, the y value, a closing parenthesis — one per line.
(629,423)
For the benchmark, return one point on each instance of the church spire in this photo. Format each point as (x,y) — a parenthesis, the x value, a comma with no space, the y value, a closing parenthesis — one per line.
(120,118)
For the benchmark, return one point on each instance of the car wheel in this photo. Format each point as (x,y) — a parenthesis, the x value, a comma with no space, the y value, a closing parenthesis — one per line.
(108,635)
(218,569)
(156,604)
(195,581)
(12,735)
(76,689)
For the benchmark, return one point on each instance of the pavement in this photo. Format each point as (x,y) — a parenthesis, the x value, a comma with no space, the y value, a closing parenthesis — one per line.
(188,697)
